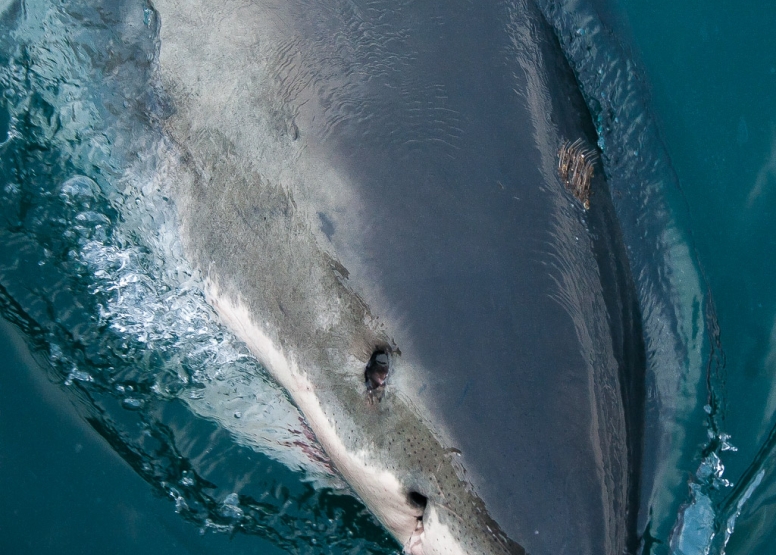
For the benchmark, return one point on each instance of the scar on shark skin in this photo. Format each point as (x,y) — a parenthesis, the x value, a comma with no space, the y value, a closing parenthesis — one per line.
(575,167)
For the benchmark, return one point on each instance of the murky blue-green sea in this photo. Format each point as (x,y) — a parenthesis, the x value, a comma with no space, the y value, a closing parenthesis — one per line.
(118,385)
(710,68)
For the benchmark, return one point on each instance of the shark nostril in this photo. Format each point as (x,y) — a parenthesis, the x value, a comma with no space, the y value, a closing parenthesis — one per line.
(376,370)
(417,499)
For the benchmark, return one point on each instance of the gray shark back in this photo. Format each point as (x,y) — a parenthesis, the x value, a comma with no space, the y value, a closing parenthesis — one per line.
(372,177)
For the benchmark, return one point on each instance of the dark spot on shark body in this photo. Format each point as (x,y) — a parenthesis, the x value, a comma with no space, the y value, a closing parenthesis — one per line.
(327,226)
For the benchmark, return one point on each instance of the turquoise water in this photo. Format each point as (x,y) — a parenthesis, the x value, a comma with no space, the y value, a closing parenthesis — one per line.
(711,67)
(65,490)
(711,74)
(89,273)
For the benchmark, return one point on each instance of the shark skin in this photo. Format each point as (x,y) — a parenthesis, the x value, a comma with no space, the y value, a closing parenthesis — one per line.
(356,178)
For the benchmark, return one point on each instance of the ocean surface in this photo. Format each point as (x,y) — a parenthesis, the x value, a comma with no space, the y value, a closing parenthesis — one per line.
(710,71)
(128,414)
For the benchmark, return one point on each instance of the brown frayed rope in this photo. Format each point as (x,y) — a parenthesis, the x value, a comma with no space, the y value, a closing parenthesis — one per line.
(575,167)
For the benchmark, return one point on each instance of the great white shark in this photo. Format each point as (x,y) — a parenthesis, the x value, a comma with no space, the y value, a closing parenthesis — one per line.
(370,190)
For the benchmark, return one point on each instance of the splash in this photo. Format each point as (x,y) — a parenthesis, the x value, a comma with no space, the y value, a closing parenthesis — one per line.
(91,269)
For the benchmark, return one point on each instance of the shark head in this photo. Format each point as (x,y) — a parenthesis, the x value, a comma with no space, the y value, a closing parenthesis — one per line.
(379,440)
(371,193)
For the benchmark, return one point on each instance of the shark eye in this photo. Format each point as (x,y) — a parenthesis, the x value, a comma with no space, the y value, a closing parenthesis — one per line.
(417,499)
(376,370)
